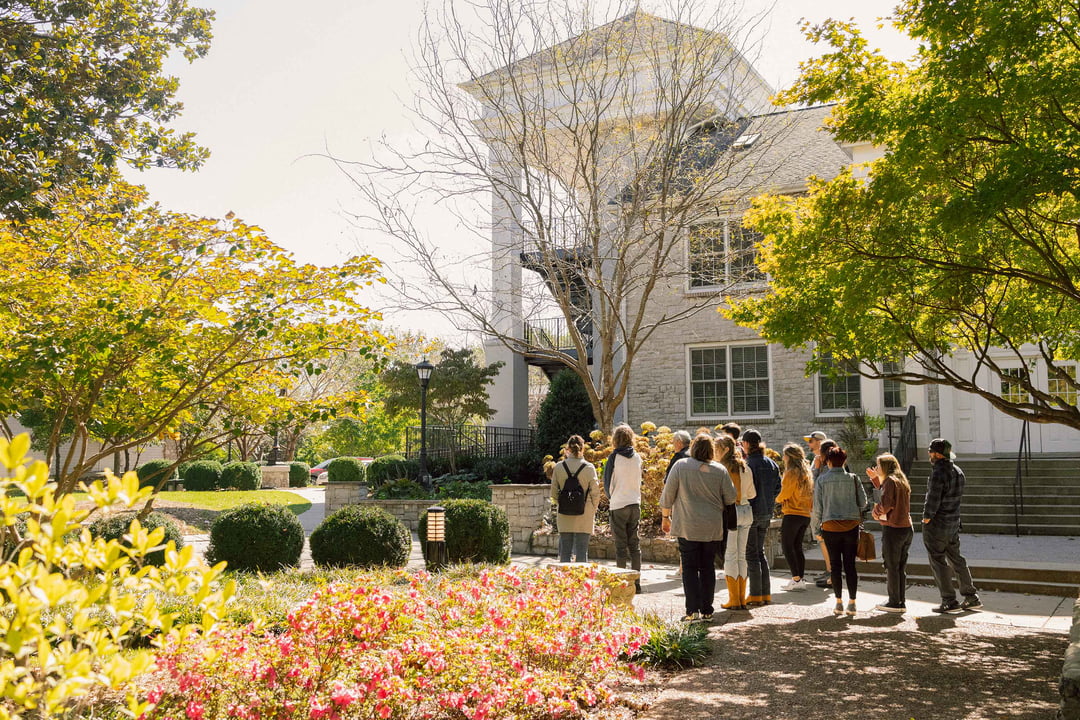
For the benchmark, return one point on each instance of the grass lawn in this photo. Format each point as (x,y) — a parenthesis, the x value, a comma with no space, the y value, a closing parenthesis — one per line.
(223,500)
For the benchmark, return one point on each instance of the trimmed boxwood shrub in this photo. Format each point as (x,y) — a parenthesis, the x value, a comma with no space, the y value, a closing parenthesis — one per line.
(299,474)
(476,531)
(256,537)
(361,536)
(241,475)
(400,490)
(116,526)
(387,469)
(345,469)
(202,475)
(151,473)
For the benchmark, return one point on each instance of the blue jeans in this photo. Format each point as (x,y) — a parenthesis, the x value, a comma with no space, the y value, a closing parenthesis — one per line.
(576,544)
(699,574)
(757,566)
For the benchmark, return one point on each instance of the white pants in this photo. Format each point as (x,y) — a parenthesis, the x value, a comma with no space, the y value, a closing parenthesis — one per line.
(735,557)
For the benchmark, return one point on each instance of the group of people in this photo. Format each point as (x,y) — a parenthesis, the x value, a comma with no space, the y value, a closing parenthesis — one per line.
(718,499)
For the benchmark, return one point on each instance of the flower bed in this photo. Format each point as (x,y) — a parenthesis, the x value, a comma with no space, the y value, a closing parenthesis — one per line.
(503,644)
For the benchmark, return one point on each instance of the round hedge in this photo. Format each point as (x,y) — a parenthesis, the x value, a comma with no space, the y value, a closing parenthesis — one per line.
(116,526)
(476,531)
(345,469)
(387,468)
(401,490)
(241,475)
(202,475)
(299,474)
(153,472)
(362,537)
(256,537)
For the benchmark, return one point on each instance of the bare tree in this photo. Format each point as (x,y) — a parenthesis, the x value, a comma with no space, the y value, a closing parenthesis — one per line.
(583,152)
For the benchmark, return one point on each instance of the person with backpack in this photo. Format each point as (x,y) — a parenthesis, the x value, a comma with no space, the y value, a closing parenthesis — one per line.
(692,509)
(576,492)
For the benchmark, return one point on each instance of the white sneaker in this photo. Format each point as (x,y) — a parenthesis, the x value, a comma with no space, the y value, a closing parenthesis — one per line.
(795,586)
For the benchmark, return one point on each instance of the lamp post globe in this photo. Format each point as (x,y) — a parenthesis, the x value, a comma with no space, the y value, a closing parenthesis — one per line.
(423,373)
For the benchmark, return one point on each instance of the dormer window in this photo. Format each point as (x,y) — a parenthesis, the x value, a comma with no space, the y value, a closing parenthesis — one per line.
(745,140)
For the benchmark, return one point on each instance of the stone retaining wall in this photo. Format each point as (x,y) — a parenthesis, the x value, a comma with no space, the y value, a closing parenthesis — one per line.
(340,494)
(275,476)
(524,506)
(1070,672)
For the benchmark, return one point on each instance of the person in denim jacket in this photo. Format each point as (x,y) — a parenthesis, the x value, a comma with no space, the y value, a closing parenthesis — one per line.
(839,502)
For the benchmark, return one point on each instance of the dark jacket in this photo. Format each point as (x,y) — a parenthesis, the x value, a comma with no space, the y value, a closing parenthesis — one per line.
(944,491)
(674,459)
(766,483)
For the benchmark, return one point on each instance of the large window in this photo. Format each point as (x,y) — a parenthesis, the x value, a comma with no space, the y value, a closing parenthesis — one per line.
(722,254)
(729,380)
(1061,388)
(839,390)
(895,391)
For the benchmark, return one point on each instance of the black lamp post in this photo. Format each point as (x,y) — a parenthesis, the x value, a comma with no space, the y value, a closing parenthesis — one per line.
(275,451)
(423,372)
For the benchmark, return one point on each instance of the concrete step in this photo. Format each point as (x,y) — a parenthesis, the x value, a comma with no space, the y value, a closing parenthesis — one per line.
(1034,580)
(1029,525)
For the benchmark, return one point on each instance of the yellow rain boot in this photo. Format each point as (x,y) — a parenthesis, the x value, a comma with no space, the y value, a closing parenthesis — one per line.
(742,593)
(734,594)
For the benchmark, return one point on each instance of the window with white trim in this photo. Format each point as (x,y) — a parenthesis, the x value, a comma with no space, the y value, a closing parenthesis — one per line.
(721,254)
(895,392)
(839,391)
(1060,387)
(730,380)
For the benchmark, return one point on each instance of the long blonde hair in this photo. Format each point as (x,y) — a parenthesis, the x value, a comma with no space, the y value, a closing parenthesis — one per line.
(891,467)
(725,453)
(797,469)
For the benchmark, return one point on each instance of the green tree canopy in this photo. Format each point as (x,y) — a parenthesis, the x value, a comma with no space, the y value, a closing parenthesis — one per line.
(126,323)
(965,238)
(81,87)
(565,411)
(457,392)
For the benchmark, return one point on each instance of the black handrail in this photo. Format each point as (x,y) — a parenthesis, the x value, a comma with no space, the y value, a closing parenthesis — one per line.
(906,447)
(1023,458)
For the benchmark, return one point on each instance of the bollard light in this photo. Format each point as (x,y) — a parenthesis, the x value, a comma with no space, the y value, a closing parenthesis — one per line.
(436,538)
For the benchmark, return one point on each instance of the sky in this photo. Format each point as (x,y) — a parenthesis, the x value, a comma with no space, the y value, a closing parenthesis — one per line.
(285,83)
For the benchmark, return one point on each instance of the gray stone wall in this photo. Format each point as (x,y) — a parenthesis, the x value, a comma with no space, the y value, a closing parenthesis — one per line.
(340,494)
(659,383)
(275,476)
(525,506)
(1070,672)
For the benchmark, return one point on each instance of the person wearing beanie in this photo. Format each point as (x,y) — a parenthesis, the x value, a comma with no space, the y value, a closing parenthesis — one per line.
(941,530)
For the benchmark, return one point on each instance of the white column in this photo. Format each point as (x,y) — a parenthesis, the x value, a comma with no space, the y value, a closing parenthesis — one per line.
(510,391)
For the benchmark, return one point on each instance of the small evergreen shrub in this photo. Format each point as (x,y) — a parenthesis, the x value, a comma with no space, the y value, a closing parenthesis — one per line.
(256,537)
(476,531)
(116,526)
(361,536)
(566,410)
(241,476)
(462,487)
(299,474)
(345,469)
(400,490)
(202,475)
(152,472)
(387,469)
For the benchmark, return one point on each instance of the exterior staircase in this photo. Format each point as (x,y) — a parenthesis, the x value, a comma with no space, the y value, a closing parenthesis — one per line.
(1051,496)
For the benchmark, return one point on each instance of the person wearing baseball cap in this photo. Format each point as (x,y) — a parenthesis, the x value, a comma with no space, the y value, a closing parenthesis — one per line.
(941,530)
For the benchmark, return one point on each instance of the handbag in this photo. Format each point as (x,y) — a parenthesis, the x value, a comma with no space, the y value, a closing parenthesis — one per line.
(865,551)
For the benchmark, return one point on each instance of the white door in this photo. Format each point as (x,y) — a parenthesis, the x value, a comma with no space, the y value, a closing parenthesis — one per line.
(1059,438)
(1005,428)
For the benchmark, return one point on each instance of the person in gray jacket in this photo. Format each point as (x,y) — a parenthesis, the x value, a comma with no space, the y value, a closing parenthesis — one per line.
(692,508)
(839,502)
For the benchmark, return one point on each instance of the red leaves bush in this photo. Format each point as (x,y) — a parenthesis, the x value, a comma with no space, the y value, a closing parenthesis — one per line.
(504,644)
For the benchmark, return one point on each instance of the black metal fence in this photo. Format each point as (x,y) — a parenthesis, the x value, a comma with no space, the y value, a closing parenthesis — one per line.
(906,445)
(472,440)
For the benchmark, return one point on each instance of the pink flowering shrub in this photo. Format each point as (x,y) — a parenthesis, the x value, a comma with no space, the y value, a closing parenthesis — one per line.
(504,644)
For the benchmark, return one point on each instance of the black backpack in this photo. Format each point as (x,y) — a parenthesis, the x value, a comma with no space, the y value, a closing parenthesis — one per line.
(572,496)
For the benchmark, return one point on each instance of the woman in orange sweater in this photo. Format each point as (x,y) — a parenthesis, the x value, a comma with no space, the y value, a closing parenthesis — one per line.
(796,499)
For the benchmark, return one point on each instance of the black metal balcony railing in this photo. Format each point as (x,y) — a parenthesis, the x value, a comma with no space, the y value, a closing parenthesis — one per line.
(472,440)
(553,333)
